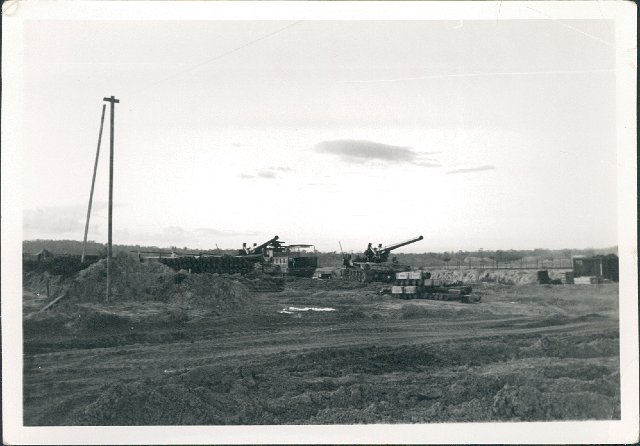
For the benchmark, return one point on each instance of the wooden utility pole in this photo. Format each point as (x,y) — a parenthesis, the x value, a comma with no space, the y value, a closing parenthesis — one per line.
(93,182)
(113,102)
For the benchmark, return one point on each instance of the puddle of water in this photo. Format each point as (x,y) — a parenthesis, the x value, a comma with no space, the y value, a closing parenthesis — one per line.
(291,310)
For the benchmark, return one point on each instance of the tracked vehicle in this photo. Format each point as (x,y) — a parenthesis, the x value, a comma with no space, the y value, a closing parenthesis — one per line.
(276,258)
(271,257)
(199,262)
(374,264)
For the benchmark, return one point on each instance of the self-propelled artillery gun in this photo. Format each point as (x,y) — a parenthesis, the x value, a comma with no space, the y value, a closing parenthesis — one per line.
(199,261)
(374,265)
(276,258)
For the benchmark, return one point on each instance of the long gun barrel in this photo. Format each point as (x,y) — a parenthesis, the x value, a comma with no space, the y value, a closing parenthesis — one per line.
(179,253)
(257,249)
(398,245)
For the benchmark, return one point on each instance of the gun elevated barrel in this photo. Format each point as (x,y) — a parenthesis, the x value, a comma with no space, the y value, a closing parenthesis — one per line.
(389,248)
(257,249)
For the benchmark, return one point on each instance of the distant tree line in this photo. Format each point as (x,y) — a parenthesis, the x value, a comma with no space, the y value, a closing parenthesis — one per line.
(449,259)
(74,247)
(529,258)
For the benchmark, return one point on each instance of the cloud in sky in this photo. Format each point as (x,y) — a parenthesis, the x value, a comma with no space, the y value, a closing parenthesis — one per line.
(268,173)
(361,151)
(52,220)
(223,232)
(62,220)
(183,236)
(180,236)
(471,169)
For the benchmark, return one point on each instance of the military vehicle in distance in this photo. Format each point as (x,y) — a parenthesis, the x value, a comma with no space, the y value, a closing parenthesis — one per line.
(374,265)
(276,258)
(198,261)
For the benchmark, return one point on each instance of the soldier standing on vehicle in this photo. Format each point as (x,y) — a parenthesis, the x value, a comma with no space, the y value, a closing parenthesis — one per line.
(369,254)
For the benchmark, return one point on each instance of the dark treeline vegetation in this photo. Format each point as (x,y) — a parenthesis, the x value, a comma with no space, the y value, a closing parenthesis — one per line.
(481,258)
(529,258)
(74,247)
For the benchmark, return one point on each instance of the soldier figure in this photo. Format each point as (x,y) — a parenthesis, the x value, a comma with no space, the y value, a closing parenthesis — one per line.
(369,254)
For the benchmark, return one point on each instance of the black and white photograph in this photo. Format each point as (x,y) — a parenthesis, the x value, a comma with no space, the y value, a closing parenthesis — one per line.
(312,222)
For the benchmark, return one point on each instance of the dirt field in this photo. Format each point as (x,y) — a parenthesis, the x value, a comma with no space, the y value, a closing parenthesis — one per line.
(526,352)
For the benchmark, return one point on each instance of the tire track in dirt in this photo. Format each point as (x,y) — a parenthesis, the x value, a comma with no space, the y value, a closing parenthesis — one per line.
(233,339)
(150,360)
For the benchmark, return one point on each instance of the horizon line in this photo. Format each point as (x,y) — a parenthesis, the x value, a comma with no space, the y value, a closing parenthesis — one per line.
(329,252)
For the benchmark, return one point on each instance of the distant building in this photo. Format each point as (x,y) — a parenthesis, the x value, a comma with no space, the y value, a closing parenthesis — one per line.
(605,267)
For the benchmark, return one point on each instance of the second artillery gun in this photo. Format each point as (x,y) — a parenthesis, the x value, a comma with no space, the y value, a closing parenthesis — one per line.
(374,265)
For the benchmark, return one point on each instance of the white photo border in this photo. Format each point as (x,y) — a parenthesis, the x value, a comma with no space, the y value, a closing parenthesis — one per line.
(16,12)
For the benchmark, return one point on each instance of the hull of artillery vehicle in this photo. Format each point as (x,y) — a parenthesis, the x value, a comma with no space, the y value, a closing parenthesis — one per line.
(371,272)
(199,262)
(420,285)
(374,265)
(276,258)
(272,257)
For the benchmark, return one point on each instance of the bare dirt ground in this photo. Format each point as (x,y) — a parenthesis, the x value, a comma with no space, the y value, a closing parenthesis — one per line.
(528,352)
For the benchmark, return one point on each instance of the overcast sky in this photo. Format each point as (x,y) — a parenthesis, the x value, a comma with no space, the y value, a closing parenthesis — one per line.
(476,134)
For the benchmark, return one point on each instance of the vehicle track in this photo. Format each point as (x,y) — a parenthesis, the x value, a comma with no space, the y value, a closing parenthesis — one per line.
(90,366)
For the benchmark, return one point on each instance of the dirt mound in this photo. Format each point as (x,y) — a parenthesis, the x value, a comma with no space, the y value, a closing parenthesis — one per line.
(211,291)
(130,280)
(203,395)
(145,403)
(37,282)
(554,346)
(529,404)
(133,281)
